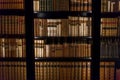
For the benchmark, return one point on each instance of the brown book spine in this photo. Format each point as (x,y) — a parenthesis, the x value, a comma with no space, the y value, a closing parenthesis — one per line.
(118,5)
(35,26)
(3,24)
(7,54)
(107,70)
(24,71)
(6,71)
(112,70)
(1,71)
(15,25)
(85,5)
(0,23)
(36,5)
(24,47)
(66,49)
(117,74)
(102,71)
(88,70)
(13,47)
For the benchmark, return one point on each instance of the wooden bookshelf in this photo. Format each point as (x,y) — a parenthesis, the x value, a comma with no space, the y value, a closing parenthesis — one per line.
(59,39)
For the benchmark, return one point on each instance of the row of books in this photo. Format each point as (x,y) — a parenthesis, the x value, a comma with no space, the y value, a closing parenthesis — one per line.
(81,49)
(81,5)
(73,26)
(16,48)
(109,49)
(11,4)
(12,47)
(12,24)
(50,5)
(13,70)
(110,27)
(110,5)
(107,71)
(57,70)
(62,5)
(63,71)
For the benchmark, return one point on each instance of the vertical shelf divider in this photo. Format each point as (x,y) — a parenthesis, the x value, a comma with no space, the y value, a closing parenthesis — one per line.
(96,15)
(29,29)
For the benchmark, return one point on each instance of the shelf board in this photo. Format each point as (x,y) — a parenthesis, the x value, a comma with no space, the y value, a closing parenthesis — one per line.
(12,59)
(80,13)
(110,37)
(61,14)
(55,40)
(12,36)
(53,15)
(62,37)
(109,59)
(12,12)
(110,14)
(71,59)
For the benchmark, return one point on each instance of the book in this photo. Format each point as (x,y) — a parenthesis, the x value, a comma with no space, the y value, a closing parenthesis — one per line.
(12,48)
(39,48)
(117,70)
(107,70)
(82,49)
(40,27)
(73,26)
(65,49)
(50,5)
(12,4)
(36,5)
(109,49)
(12,70)
(109,5)
(81,5)
(62,70)
(65,27)
(54,27)
(59,50)
(118,26)
(88,70)
(102,70)
(12,25)
(2,47)
(79,26)
(109,27)
(117,74)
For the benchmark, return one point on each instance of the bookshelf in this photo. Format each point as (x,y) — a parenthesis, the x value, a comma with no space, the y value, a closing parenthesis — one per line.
(109,34)
(12,40)
(64,42)
(59,39)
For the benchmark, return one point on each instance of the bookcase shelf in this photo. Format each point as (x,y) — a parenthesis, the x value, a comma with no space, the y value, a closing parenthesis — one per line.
(12,12)
(12,36)
(110,37)
(61,14)
(13,59)
(80,13)
(110,59)
(110,14)
(55,15)
(56,40)
(63,59)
